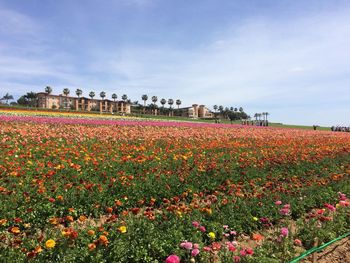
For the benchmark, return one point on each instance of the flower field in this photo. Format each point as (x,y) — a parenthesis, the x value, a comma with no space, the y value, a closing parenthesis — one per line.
(105,190)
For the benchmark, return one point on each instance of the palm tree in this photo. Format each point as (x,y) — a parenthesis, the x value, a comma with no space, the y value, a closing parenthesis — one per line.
(48,89)
(31,96)
(259,116)
(221,109)
(170,102)
(66,92)
(114,97)
(266,114)
(7,97)
(124,97)
(154,100)
(215,107)
(92,94)
(163,101)
(178,103)
(144,98)
(102,94)
(231,108)
(256,116)
(78,92)
(241,109)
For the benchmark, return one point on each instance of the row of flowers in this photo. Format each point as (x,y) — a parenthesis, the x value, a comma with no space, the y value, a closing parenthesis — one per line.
(142,193)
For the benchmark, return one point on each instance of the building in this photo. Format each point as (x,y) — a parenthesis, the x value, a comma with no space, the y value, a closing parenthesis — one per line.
(196,111)
(49,101)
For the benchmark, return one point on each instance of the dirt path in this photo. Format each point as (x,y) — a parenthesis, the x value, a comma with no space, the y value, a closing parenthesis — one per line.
(339,252)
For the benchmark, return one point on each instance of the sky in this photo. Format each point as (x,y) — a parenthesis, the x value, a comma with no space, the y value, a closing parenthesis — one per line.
(290,58)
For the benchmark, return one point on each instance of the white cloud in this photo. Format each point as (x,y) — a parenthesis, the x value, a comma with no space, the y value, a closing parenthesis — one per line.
(286,67)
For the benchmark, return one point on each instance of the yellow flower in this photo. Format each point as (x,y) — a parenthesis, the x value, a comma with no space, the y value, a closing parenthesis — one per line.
(122,229)
(50,243)
(255,218)
(211,235)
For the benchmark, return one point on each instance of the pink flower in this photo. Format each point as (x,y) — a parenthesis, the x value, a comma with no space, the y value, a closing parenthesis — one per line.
(172,259)
(243,252)
(195,224)
(225,226)
(202,229)
(186,245)
(230,246)
(342,196)
(207,249)
(195,252)
(236,259)
(233,233)
(284,231)
(278,202)
(195,245)
(344,203)
(298,242)
(285,210)
(330,207)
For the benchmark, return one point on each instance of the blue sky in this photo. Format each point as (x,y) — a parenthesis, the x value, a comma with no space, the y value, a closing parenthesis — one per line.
(290,58)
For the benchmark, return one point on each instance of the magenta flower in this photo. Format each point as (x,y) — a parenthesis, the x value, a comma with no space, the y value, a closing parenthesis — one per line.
(195,224)
(202,229)
(243,252)
(172,259)
(195,252)
(284,231)
(278,202)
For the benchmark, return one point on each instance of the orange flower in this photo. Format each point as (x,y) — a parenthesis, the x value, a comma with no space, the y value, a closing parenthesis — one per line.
(91,246)
(103,240)
(53,220)
(91,232)
(69,218)
(257,237)
(15,230)
(82,218)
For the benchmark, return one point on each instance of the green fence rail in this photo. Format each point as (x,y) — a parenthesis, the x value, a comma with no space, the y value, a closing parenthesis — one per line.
(315,249)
